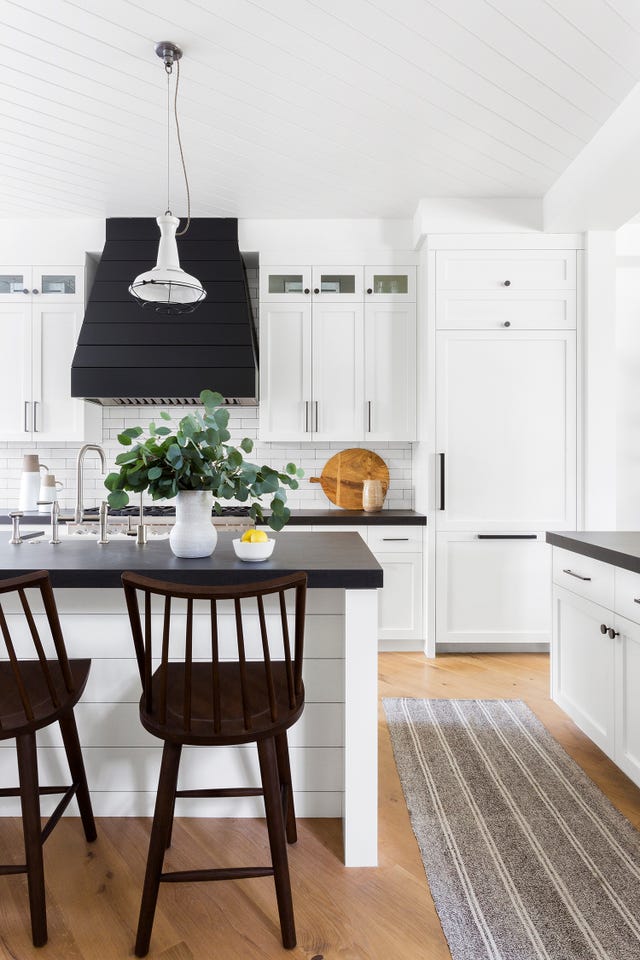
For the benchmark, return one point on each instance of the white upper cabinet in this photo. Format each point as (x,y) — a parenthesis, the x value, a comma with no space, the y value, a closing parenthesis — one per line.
(390,371)
(39,331)
(506,430)
(506,270)
(390,284)
(352,375)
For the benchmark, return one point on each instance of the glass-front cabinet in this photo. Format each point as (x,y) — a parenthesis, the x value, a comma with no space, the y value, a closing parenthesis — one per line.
(342,284)
(53,284)
(284,284)
(390,284)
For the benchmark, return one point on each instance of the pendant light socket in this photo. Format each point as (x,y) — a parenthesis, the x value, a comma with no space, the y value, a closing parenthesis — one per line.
(168,52)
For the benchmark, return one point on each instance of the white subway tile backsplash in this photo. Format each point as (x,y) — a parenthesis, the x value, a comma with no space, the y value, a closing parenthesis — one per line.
(311,456)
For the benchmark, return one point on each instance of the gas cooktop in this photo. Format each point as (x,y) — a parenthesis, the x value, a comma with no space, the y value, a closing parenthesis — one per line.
(153,510)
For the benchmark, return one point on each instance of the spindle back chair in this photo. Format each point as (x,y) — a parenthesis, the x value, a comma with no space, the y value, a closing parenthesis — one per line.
(235,686)
(35,693)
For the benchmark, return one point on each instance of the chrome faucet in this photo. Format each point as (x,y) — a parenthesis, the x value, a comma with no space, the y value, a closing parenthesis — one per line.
(79,476)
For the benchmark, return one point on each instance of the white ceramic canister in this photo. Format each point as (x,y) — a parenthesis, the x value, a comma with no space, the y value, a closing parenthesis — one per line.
(193,534)
(372,496)
(48,492)
(30,482)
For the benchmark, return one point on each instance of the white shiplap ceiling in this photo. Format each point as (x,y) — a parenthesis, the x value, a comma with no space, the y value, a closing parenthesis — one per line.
(303,108)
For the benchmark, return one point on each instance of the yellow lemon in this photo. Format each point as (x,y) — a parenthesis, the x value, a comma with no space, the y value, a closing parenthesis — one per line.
(247,535)
(258,536)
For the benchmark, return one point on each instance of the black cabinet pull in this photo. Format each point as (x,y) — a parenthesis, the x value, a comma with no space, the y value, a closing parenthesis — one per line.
(369,290)
(316,290)
(442,476)
(613,633)
(24,290)
(306,290)
(636,601)
(389,539)
(603,628)
(507,283)
(507,323)
(576,575)
(507,536)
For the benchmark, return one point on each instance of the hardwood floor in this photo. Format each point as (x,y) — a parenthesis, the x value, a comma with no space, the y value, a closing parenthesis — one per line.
(93,891)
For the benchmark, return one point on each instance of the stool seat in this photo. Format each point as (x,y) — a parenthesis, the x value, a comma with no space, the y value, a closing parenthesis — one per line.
(45,712)
(230,728)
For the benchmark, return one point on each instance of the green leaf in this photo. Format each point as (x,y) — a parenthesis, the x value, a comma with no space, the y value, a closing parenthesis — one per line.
(163,431)
(300,472)
(117,499)
(246,444)
(291,468)
(155,473)
(165,415)
(174,453)
(124,439)
(234,458)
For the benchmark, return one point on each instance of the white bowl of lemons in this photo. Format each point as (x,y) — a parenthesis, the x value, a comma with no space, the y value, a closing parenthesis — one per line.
(253,545)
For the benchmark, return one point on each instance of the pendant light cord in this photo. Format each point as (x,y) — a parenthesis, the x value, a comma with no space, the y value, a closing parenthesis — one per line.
(168,69)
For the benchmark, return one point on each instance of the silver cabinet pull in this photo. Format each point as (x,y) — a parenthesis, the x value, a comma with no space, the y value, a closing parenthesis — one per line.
(389,539)
(576,575)
(316,418)
(35,415)
(26,416)
(306,416)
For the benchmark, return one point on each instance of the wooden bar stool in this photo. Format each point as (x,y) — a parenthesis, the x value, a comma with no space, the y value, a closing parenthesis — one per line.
(33,695)
(227,699)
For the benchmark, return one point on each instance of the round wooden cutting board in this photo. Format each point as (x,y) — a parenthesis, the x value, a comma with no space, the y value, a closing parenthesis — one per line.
(343,475)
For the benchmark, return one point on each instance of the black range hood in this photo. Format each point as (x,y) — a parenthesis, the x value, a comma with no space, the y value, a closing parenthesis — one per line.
(128,355)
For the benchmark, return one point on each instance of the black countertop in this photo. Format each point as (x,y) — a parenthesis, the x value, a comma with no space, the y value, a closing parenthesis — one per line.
(334,560)
(298,518)
(620,548)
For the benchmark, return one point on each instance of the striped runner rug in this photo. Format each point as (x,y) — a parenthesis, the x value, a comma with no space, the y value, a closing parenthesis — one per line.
(525,857)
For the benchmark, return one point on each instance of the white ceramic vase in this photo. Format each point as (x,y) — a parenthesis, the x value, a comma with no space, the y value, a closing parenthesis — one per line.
(193,534)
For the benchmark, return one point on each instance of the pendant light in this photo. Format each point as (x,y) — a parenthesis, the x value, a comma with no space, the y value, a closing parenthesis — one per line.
(167,288)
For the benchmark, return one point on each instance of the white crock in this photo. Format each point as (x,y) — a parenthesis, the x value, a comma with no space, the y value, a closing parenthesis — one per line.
(193,534)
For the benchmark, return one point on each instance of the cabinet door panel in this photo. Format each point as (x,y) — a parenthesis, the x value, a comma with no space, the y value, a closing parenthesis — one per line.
(57,416)
(390,284)
(506,423)
(583,665)
(390,371)
(400,599)
(285,371)
(506,270)
(285,284)
(627,687)
(338,369)
(14,281)
(342,284)
(56,284)
(16,407)
(492,592)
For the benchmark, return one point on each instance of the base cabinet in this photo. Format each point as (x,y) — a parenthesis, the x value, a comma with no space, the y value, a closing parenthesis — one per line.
(583,665)
(595,656)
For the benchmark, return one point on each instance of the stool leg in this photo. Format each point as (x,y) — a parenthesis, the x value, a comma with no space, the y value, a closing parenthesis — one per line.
(277,838)
(162,818)
(284,772)
(30,801)
(71,742)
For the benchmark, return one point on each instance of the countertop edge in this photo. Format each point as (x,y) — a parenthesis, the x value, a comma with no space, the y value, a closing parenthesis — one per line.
(595,551)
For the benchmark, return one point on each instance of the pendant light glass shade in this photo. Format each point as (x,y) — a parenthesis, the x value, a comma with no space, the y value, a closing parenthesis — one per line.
(167,288)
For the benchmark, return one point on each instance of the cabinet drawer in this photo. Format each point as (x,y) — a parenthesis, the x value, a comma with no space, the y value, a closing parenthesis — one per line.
(627,594)
(508,271)
(486,310)
(582,575)
(396,539)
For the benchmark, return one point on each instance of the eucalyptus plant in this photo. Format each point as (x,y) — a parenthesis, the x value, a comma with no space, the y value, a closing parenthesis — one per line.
(198,457)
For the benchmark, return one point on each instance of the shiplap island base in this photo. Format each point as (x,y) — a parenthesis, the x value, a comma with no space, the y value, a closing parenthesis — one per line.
(595,650)
(334,745)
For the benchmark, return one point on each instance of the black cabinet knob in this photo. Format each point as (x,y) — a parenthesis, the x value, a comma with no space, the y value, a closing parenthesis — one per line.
(369,290)
(35,291)
(507,323)
(603,628)
(507,283)
(316,290)
(24,290)
(613,633)
(306,290)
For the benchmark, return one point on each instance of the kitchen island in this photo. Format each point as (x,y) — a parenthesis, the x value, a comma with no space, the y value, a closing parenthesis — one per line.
(333,746)
(595,650)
